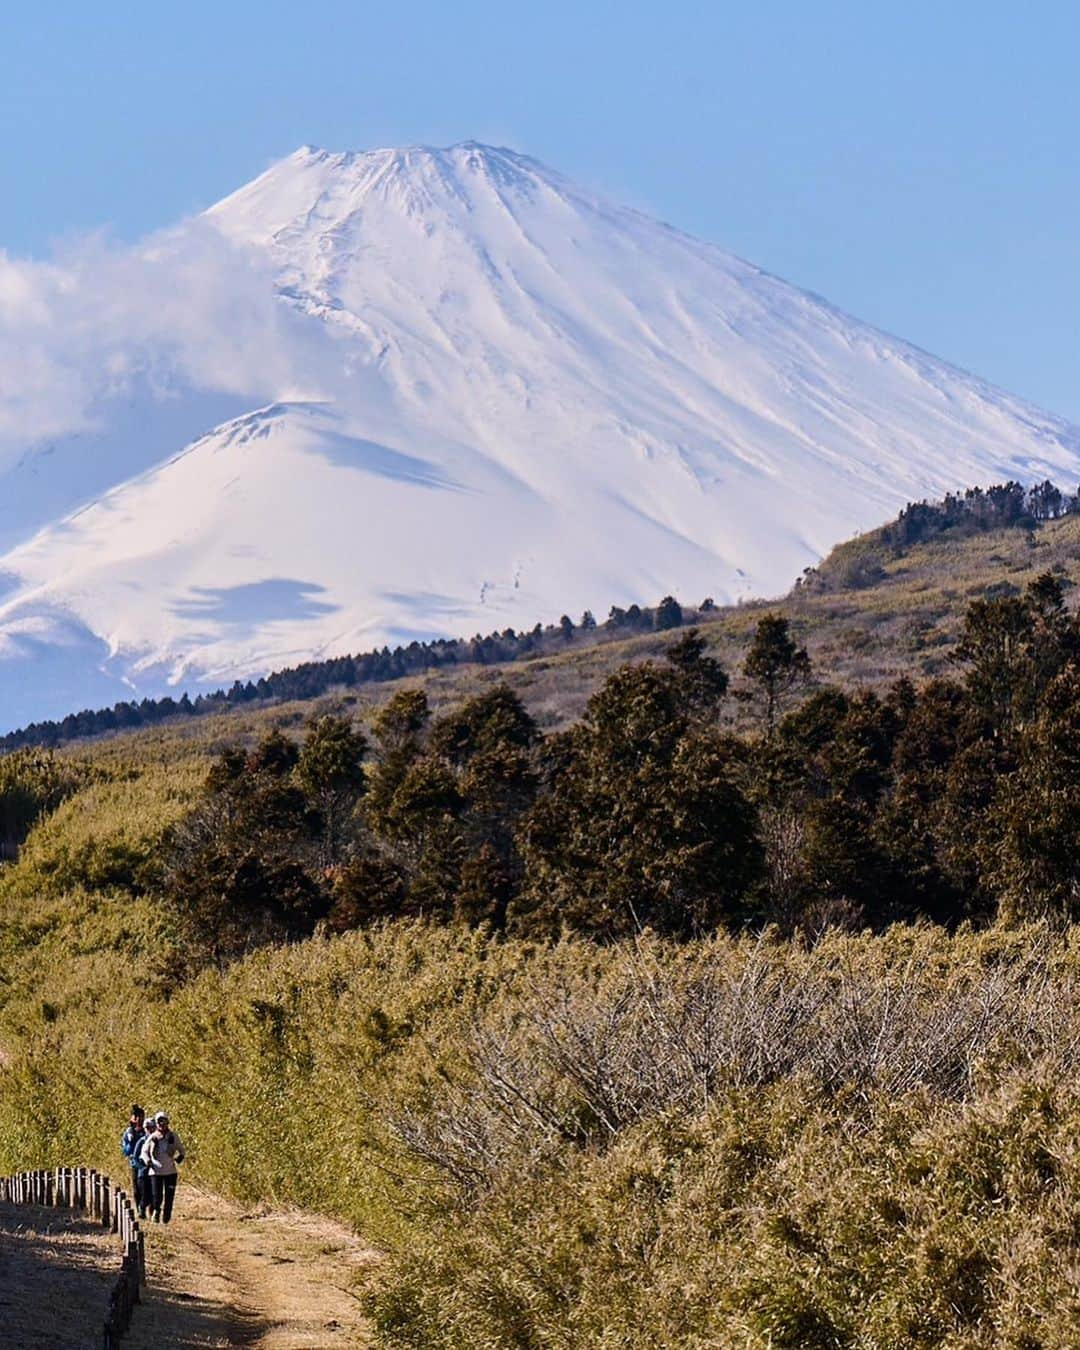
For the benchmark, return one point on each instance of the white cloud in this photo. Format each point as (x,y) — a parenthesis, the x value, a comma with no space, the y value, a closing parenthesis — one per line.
(185,307)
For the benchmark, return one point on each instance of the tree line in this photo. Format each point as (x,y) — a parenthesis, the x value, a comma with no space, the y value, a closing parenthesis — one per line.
(1001,506)
(959,800)
(959,515)
(313,679)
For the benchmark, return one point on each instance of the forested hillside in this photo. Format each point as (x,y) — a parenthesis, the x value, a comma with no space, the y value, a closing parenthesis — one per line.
(712,987)
(882,604)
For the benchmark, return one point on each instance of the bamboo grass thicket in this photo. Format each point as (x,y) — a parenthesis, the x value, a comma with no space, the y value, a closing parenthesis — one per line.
(868,1140)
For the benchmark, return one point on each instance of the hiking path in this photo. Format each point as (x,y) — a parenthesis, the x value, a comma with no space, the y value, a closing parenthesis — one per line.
(219,1275)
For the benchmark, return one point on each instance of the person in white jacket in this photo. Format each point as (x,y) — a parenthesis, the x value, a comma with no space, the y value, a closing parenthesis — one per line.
(161,1151)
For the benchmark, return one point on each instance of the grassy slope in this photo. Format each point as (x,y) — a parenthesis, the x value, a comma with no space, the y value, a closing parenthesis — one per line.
(768,1213)
(905,623)
(63,917)
(817,1218)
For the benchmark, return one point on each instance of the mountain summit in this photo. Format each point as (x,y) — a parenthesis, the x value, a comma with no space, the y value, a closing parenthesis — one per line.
(473,395)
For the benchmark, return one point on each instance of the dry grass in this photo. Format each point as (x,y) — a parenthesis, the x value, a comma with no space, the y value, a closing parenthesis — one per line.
(574,1060)
(867,1142)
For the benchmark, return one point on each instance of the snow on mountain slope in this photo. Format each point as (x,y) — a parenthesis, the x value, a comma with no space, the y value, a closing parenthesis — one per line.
(501,399)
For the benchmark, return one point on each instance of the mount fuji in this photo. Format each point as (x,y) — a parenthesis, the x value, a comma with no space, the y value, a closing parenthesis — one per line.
(411,393)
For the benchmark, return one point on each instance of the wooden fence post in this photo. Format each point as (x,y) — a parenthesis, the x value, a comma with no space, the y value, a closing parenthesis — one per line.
(92,1192)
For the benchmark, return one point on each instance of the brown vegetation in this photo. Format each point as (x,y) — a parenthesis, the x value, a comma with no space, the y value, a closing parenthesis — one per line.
(796,1133)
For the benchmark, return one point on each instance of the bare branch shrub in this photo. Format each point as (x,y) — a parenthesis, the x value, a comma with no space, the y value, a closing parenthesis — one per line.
(574,1058)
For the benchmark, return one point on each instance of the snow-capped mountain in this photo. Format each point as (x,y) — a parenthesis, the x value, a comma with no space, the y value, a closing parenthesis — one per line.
(450,392)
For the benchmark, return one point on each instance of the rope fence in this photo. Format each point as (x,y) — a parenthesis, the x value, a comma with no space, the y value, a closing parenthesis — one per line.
(88,1191)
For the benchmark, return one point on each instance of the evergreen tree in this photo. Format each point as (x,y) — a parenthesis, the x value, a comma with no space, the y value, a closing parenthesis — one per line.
(1032,852)
(369,886)
(641,822)
(398,730)
(330,772)
(497,718)
(237,868)
(484,889)
(1012,648)
(775,664)
(703,680)
(668,614)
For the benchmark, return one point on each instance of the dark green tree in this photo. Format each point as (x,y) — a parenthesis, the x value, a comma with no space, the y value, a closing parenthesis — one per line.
(640,822)
(330,771)
(399,731)
(238,870)
(1011,648)
(668,614)
(931,781)
(702,679)
(492,720)
(369,886)
(485,888)
(775,664)
(1032,851)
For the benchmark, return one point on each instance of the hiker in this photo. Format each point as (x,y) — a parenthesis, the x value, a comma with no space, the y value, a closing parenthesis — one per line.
(144,1194)
(131,1142)
(162,1150)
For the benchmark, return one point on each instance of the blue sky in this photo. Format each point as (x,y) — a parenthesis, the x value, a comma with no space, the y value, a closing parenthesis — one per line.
(918,165)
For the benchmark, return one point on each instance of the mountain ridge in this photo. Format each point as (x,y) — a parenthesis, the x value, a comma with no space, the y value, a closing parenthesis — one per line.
(485,396)
(880,606)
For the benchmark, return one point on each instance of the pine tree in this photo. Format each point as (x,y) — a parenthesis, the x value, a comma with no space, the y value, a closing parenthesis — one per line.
(1032,852)
(704,680)
(775,663)
(1012,648)
(330,771)
(484,889)
(641,821)
(398,730)
(668,614)
(369,886)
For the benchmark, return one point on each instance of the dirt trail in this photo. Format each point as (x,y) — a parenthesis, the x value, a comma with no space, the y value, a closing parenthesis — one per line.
(218,1275)
(221,1275)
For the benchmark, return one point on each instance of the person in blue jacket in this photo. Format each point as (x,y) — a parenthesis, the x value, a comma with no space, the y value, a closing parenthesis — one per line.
(131,1142)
